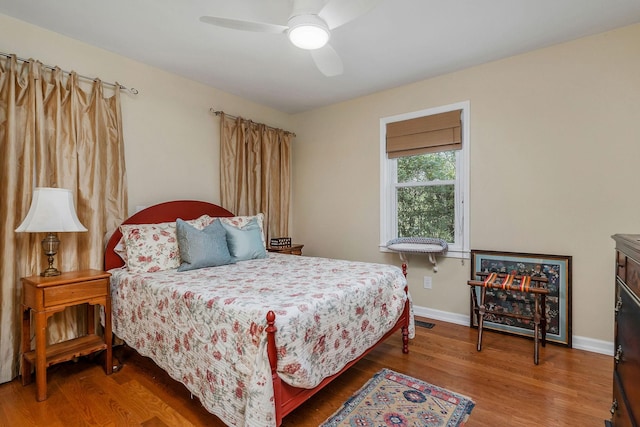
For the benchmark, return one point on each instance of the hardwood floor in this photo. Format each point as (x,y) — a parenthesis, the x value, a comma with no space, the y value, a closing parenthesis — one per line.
(569,387)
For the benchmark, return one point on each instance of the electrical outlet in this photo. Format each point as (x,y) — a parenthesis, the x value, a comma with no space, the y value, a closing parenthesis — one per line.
(427,282)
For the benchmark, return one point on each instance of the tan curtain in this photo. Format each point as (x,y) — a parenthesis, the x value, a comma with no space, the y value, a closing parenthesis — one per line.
(54,134)
(255,168)
(427,134)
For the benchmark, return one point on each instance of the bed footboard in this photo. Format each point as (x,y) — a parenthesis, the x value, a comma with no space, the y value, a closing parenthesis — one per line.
(287,398)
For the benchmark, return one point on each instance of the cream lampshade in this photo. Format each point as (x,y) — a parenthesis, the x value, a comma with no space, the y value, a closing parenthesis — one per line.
(52,211)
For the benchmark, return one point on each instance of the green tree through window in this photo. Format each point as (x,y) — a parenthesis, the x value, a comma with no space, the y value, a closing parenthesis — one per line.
(425,195)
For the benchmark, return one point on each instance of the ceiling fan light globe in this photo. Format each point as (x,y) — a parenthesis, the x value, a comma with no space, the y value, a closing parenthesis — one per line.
(308,32)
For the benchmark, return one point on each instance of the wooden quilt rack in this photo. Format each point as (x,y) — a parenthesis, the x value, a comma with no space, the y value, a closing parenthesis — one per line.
(536,285)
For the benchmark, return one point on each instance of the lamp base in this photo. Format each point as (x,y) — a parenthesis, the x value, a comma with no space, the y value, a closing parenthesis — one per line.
(49,272)
(50,246)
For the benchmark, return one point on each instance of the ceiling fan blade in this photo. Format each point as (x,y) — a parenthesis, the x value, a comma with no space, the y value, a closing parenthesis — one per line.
(339,12)
(238,24)
(327,60)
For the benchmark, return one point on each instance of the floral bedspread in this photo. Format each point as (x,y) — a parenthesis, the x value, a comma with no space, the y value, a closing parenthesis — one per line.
(206,327)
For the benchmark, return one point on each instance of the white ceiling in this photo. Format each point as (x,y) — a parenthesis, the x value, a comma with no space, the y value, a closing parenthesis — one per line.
(399,42)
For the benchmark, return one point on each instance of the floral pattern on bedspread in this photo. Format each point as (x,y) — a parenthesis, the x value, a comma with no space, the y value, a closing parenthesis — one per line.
(206,327)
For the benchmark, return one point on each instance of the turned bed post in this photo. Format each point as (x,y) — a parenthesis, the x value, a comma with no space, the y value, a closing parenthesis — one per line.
(272,352)
(405,327)
(407,317)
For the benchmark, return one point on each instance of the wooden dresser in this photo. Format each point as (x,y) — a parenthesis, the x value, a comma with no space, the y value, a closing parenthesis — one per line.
(625,409)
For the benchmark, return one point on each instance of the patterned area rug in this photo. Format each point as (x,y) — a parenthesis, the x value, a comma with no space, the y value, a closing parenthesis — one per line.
(391,399)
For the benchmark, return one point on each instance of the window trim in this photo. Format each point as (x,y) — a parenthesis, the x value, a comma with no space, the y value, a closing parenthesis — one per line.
(388,205)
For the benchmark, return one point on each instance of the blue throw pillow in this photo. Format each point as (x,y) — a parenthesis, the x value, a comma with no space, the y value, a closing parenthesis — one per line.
(202,248)
(245,243)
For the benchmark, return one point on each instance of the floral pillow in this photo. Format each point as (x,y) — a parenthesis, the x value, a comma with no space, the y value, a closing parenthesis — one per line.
(121,250)
(151,247)
(201,222)
(146,248)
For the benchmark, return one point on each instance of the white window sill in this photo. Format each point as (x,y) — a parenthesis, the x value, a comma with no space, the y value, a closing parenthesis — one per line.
(451,253)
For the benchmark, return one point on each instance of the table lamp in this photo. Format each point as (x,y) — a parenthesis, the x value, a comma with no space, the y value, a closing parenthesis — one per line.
(52,211)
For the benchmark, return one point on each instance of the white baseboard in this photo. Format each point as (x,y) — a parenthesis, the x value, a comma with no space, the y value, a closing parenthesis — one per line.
(445,316)
(593,345)
(579,343)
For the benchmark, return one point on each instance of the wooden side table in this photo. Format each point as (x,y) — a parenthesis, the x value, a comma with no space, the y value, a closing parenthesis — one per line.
(46,296)
(294,249)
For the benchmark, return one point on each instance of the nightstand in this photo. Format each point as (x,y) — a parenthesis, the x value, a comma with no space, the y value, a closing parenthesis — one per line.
(294,249)
(46,296)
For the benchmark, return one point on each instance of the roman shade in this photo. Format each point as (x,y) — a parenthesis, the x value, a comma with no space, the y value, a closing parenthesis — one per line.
(427,134)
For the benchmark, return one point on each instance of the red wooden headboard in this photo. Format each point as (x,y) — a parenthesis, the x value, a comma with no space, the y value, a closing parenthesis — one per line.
(163,212)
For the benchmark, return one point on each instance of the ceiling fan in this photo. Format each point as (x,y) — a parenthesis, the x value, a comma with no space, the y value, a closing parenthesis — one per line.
(309,27)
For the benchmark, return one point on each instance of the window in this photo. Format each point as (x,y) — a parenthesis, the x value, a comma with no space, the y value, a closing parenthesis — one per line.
(424,176)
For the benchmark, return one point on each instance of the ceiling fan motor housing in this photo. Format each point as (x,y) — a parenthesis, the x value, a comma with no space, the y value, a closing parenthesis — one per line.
(308,31)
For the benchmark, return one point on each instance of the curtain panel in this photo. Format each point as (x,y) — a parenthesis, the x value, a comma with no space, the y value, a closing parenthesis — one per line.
(54,133)
(255,168)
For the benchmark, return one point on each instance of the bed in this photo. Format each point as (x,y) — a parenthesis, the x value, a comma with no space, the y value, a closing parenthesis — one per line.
(254,338)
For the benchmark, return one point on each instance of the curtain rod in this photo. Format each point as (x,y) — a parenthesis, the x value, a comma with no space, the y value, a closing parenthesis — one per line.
(218,112)
(131,90)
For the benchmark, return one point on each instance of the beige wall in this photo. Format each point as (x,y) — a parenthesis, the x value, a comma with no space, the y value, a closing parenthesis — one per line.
(171,138)
(553,130)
